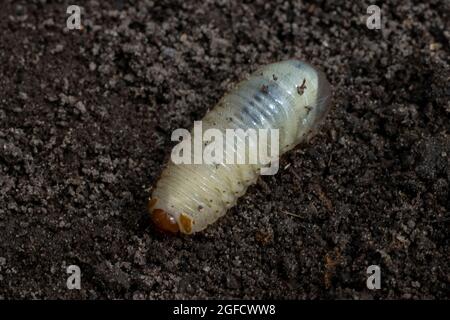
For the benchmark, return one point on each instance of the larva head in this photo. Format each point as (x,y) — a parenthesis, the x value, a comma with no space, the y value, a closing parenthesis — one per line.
(167,222)
(162,220)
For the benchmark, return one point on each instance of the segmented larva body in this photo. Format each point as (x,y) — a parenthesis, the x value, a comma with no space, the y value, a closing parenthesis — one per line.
(291,96)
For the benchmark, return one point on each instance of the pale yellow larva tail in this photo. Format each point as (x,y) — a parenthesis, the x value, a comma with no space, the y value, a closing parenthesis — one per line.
(291,96)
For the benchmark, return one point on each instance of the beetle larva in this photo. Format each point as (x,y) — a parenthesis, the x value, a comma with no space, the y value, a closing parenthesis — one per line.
(291,96)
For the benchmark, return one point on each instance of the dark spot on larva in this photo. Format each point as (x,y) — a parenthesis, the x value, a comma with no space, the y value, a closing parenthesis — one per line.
(257,97)
(200,208)
(250,114)
(265,89)
(217,211)
(301,88)
(211,200)
(308,109)
(275,78)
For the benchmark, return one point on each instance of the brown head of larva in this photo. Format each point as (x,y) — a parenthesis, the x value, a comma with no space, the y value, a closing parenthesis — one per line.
(162,220)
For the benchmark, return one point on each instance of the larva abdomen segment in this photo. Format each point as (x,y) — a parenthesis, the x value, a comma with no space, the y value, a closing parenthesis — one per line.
(291,96)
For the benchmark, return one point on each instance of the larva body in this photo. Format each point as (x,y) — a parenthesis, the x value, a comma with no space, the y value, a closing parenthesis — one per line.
(291,96)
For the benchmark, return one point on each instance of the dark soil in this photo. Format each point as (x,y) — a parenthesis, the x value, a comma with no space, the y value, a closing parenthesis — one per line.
(85,124)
